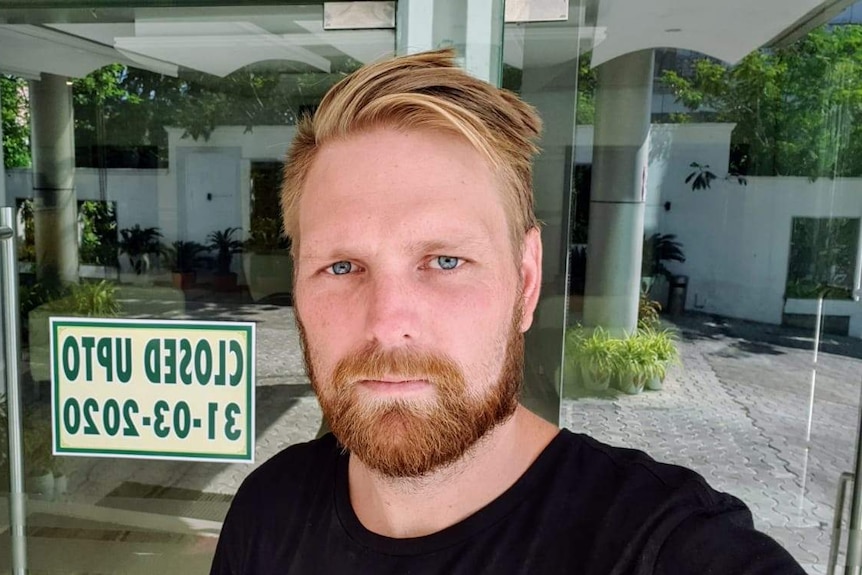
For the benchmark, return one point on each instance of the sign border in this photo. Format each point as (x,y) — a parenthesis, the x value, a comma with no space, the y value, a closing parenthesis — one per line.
(247,327)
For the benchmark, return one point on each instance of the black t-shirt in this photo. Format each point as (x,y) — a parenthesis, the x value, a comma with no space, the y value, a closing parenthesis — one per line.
(582,508)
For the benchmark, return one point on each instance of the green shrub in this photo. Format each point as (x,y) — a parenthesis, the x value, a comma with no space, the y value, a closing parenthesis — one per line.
(88,300)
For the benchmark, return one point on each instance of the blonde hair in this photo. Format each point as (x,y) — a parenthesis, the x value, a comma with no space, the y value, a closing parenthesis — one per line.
(424,91)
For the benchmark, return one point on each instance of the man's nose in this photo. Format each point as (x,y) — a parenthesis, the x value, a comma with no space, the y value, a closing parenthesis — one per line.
(392,306)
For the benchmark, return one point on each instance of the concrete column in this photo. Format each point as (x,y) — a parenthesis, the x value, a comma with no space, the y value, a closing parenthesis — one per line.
(414,26)
(484,46)
(474,28)
(54,198)
(618,191)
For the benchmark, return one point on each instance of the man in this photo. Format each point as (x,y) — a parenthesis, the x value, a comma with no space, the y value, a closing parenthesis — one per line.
(418,264)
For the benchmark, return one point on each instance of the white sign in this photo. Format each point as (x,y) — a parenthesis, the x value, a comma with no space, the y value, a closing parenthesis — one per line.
(153,389)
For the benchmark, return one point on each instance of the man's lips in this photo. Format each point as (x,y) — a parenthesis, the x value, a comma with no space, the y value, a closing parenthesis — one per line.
(393,387)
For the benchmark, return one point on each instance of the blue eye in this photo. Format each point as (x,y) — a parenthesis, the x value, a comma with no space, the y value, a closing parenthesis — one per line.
(340,268)
(448,262)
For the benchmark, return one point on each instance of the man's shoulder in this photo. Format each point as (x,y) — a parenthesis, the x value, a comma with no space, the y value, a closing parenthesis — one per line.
(626,472)
(670,514)
(293,468)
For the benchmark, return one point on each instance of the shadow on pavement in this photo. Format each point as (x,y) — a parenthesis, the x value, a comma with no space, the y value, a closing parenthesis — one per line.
(760,338)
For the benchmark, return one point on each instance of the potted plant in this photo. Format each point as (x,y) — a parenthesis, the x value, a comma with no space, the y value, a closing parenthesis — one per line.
(267,263)
(184,257)
(636,364)
(139,244)
(662,343)
(225,245)
(591,358)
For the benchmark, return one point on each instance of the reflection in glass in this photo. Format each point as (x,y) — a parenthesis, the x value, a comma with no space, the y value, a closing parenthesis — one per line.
(143,150)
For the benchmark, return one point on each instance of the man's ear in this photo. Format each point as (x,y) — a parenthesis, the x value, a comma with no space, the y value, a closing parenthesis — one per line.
(531,275)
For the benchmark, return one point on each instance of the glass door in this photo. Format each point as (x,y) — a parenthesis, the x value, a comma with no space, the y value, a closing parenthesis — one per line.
(715,253)
(141,151)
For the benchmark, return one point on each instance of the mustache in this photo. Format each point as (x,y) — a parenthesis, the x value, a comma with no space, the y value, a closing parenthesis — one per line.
(375,363)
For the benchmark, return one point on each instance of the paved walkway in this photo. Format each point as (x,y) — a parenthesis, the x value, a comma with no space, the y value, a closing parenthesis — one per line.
(735,410)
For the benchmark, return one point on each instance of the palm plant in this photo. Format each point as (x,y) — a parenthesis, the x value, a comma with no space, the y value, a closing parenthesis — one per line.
(660,248)
(184,256)
(139,243)
(225,246)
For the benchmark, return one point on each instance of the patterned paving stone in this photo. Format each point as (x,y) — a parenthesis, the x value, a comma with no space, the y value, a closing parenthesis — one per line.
(736,411)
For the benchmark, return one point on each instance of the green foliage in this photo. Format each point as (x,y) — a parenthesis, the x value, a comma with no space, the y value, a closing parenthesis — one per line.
(802,289)
(638,357)
(184,256)
(587,81)
(662,345)
(648,311)
(87,299)
(595,352)
(95,299)
(797,108)
(636,360)
(15,117)
(98,225)
(46,290)
(139,243)
(267,235)
(822,258)
(225,246)
(657,249)
(129,108)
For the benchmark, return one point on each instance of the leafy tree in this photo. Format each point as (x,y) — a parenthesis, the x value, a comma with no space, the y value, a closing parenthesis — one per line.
(797,109)
(97,223)
(16,122)
(587,80)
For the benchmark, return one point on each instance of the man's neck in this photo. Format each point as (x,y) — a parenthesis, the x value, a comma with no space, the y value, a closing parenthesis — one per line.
(415,507)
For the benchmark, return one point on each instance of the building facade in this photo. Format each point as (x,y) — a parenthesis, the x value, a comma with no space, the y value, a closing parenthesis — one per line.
(696,180)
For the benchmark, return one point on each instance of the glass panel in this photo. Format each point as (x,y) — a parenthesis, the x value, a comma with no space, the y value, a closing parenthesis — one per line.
(540,62)
(160,201)
(719,180)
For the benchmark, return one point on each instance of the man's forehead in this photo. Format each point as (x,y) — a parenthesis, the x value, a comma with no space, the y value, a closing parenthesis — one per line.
(399,179)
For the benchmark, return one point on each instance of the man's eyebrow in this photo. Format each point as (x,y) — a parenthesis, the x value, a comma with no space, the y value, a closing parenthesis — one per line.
(449,246)
(452,245)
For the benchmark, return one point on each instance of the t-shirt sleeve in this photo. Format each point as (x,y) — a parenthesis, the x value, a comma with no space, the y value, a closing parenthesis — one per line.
(722,543)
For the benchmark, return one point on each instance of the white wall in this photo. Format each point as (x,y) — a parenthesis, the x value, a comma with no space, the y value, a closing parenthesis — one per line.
(175,199)
(153,198)
(738,241)
(736,238)
(133,191)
